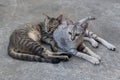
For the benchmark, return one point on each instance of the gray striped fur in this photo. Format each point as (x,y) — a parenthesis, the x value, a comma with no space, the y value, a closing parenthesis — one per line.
(25,43)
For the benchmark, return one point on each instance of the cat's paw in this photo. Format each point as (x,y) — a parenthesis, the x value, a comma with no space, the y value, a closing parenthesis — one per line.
(95,44)
(91,18)
(95,61)
(64,58)
(54,49)
(98,57)
(111,47)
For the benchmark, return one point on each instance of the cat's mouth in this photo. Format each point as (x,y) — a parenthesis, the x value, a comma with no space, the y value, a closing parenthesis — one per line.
(72,38)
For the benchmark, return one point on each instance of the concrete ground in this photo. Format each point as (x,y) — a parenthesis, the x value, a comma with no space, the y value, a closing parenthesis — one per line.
(17,12)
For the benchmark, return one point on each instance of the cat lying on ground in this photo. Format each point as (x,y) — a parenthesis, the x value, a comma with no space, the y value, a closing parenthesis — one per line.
(69,37)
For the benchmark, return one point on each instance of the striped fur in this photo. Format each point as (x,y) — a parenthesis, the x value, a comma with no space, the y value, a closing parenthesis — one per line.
(25,44)
(48,27)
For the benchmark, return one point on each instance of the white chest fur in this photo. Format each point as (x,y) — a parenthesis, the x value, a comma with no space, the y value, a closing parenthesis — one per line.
(34,35)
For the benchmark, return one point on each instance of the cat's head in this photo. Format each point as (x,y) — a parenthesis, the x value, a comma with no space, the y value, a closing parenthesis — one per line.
(52,23)
(77,29)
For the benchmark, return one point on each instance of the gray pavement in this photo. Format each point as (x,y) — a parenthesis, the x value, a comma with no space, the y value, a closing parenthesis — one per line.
(17,12)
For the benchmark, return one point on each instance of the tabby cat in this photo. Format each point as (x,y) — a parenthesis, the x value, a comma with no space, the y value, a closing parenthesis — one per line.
(47,27)
(25,43)
(70,36)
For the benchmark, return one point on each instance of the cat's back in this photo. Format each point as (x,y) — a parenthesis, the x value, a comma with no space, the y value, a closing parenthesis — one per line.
(26,28)
(22,29)
(26,31)
(60,31)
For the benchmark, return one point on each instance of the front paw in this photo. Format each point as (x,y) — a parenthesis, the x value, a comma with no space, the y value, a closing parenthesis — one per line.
(67,54)
(98,57)
(95,61)
(111,47)
(54,49)
(95,44)
(65,58)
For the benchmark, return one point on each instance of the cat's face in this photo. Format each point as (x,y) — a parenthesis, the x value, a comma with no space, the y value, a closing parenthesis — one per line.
(52,23)
(76,30)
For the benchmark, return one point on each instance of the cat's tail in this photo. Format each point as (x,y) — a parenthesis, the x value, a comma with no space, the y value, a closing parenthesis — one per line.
(28,57)
(22,56)
(86,19)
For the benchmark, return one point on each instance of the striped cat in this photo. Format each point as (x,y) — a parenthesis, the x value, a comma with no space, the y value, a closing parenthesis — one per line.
(25,43)
(47,27)
(70,36)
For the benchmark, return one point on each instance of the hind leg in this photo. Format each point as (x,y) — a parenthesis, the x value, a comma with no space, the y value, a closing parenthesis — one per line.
(105,43)
(101,40)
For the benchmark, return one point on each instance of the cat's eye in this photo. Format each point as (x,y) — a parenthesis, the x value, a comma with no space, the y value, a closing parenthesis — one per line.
(55,23)
(70,33)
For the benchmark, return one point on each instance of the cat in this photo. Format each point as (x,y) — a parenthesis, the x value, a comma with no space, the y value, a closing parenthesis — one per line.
(70,37)
(47,27)
(25,42)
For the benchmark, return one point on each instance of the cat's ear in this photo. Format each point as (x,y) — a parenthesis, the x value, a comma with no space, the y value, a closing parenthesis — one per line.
(59,18)
(69,22)
(84,25)
(46,16)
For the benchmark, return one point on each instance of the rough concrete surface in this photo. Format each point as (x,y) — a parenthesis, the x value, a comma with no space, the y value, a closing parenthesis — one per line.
(17,12)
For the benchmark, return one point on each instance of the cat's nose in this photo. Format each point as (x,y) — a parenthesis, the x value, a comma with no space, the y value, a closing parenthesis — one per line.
(72,38)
